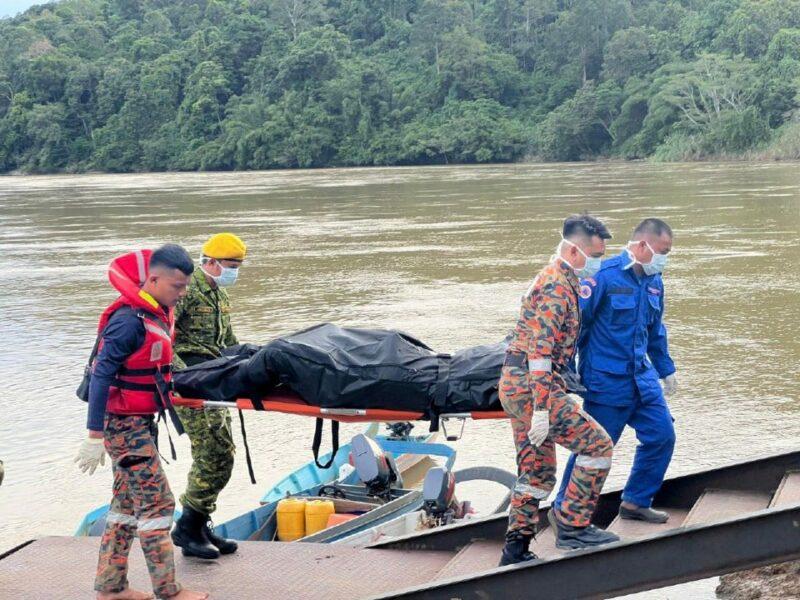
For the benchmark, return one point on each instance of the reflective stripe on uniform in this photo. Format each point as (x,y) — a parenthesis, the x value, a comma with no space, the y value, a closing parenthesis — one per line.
(156,329)
(540,364)
(140,266)
(155,524)
(120,519)
(593,462)
(111,269)
(538,493)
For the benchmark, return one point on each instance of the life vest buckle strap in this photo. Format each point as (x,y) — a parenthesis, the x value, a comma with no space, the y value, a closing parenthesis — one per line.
(164,402)
(164,369)
(134,386)
(248,458)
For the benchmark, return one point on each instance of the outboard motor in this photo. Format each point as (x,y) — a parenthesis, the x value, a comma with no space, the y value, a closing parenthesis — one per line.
(439,499)
(375,469)
(400,430)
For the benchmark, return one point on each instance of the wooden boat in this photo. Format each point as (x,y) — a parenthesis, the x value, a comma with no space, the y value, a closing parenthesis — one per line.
(421,520)
(299,481)
(260,524)
(310,475)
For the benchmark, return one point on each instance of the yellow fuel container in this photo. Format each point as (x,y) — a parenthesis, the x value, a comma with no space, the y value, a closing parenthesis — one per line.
(291,519)
(317,513)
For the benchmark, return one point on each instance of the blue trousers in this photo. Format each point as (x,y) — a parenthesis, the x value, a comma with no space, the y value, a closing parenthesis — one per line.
(656,435)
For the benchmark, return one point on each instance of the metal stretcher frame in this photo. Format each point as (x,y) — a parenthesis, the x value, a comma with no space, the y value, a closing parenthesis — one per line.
(289,403)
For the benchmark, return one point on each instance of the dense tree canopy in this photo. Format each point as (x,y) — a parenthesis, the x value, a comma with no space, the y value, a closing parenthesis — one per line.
(133,85)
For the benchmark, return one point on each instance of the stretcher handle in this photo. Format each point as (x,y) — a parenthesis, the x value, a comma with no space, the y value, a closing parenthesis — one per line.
(201,403)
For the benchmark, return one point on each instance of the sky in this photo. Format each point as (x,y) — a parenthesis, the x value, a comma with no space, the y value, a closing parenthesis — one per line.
(9,8)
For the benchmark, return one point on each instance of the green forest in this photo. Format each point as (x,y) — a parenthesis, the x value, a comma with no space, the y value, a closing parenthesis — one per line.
(154,85)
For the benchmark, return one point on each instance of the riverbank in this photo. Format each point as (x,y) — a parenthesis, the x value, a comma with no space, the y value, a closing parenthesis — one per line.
(787,151)
(775,582)
(782,145)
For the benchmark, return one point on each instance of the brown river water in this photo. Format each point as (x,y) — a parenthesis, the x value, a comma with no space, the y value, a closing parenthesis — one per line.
(443,253)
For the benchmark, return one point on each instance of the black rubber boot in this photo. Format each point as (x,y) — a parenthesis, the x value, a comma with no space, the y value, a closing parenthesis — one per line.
(569,537)
(189,534)
(224,546)
(516,549)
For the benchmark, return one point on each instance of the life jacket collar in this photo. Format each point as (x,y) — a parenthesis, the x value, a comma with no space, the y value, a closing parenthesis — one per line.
(127,274)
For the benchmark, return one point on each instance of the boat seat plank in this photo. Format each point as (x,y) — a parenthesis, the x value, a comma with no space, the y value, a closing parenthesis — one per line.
(628,529)
(64,567)
(719,505)
(788,491)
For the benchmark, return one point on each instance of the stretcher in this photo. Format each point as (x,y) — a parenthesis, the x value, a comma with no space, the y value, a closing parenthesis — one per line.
(287,402)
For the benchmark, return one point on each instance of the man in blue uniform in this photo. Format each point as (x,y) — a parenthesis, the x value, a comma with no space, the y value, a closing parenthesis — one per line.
(622,354)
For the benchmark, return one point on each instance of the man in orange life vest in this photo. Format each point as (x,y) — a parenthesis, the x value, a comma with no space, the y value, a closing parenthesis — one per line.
(129,384)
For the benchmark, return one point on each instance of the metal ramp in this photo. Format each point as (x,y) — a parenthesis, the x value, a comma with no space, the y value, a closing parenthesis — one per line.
(63,568)
(788,492)
(713,506)
(722,520)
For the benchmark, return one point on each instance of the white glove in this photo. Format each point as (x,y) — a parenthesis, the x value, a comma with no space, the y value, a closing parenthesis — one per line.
(670,384)
(91,454)
(540,427)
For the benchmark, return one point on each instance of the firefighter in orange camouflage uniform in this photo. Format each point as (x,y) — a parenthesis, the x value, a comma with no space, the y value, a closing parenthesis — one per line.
(533,393)
(129,383)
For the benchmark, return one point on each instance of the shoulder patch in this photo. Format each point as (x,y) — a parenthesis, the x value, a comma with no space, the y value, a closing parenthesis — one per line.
(585,291)
(653,290)
(591,281)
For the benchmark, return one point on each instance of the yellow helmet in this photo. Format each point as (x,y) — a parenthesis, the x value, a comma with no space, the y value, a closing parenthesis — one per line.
(225,246)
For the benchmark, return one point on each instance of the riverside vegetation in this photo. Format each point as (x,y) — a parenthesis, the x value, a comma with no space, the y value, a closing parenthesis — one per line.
(151,85)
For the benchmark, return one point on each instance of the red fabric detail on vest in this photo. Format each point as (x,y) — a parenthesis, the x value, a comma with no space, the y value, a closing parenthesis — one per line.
(155,352)
(125,274)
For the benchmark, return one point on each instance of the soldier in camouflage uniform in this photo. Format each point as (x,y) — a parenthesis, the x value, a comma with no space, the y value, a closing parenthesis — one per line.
(202,331)
(532,391)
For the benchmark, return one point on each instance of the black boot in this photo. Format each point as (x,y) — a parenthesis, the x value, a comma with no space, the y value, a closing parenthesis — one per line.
(189,534)
(569,537)
(643,513)
(224,546)
(516,549)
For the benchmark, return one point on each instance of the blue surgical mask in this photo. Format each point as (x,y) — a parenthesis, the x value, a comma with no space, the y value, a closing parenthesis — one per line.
(592,266)
(226,278)
(656,265)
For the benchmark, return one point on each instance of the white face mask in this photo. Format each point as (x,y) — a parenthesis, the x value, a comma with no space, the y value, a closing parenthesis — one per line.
(657,264)
(589,269)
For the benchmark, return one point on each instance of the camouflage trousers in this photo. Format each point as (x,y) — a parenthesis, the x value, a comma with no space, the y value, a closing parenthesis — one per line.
(209,431)
(571,428)
(142,502)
